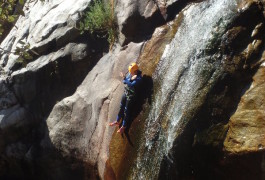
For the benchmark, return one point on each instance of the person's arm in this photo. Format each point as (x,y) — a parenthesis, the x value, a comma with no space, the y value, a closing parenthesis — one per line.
(131,84)
(122,75)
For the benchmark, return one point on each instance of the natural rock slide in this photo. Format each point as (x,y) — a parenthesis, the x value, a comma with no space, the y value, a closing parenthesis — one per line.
(200,114)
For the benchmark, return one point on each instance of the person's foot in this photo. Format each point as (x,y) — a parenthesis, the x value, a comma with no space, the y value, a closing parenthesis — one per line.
(114,123)
(121,130)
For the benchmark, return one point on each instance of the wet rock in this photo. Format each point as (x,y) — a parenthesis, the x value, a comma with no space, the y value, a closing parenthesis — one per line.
(155,47)
(213,136)
(257,30)
(197,72)
(121,148)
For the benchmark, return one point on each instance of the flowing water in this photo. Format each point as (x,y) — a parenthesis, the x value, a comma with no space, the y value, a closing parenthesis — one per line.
(188,69)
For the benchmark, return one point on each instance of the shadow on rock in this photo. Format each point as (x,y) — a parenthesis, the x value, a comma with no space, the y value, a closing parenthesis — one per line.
(26,148)
(42,160)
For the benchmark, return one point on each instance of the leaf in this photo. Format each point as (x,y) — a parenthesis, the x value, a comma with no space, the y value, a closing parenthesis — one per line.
(99,20)
(20,60)
(21,2)
(17,51)
(27,56)
(12,18)
(3,17)
(1,29)
(9,7)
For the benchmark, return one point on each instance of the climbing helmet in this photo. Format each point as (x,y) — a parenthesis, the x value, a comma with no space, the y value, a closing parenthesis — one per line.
(133,67)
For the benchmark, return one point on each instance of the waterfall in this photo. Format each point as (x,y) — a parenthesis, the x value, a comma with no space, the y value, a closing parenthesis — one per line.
(188,69)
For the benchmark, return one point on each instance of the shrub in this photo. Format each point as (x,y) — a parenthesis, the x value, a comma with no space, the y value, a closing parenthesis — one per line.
(99,20)
(7,16)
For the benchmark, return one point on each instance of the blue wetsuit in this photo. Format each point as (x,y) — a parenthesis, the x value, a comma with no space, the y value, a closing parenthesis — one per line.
(128,97)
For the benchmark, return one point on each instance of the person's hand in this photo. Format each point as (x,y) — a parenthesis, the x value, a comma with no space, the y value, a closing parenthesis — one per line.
(122,75)
(134,77)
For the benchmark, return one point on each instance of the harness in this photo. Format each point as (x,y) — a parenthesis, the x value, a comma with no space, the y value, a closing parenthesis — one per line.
(129,92)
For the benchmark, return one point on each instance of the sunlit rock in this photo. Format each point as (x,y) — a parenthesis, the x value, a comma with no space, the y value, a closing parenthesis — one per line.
(246,127)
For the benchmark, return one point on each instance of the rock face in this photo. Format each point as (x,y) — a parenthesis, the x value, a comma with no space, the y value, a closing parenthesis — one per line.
(124,151)
(193,103)
(62,60)
(141,18)
(79,124)
(204,119)
(245,134)
(44,30)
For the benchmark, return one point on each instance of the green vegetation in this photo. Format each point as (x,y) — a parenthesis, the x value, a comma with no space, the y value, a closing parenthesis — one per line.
(25,53)
(99,20)
(9,13)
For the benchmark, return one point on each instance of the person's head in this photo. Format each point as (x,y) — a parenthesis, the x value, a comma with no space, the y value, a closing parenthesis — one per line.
(133,68)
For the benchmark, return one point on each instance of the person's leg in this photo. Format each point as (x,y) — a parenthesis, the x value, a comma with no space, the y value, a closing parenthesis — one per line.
(128,109)
(127,113)
(121,111)
(122,108)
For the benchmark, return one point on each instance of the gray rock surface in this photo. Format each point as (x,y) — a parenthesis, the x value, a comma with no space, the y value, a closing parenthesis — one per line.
(78,125)
(138,19)
(55,111)
(44,24)
(28,94)
(8,98)
(77,128)
(24,83)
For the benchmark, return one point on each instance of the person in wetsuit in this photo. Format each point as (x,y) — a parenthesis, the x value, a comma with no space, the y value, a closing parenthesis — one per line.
(131,82)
